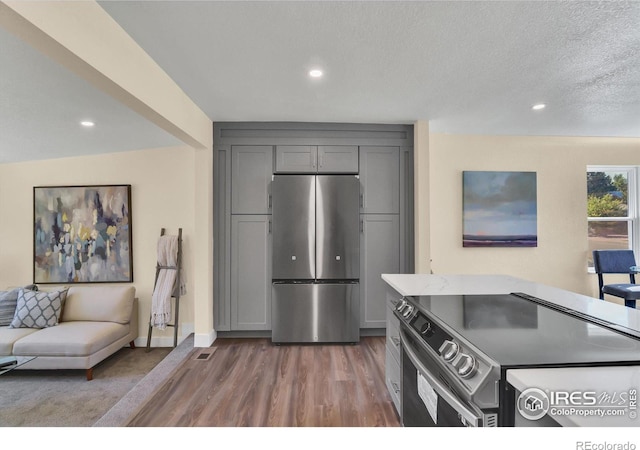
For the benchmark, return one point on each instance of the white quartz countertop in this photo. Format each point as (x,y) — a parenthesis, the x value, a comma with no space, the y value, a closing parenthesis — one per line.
(611,388)
(430,284)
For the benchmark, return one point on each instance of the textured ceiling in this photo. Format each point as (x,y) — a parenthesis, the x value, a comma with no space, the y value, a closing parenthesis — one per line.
(467,67)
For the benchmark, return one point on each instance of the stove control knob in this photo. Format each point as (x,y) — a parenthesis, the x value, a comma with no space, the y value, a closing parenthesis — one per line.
(400,306)
(449,350)
(407,312)
(466,365)
(426,329)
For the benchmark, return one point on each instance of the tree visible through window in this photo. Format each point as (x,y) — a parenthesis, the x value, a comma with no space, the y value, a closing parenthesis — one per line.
(609,210)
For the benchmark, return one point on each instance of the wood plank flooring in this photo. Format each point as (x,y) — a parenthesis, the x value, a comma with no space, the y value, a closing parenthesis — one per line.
(251,382)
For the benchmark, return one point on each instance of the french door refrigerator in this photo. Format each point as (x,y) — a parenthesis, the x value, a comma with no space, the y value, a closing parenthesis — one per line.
(316,258)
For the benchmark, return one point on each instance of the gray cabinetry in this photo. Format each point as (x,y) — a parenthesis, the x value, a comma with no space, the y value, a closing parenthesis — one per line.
(379,253)
(317,159)
(380,179)
(380,209)
(246,158)
(392,355)
(251,171)
(296,158)
(337,159)
(250,272)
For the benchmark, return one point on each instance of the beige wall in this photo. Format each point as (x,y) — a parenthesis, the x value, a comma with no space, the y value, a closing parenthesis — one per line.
(421,197)
(560,163)
(163,185)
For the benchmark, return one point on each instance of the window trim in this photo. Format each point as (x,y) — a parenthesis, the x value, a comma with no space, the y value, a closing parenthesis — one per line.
(633,204)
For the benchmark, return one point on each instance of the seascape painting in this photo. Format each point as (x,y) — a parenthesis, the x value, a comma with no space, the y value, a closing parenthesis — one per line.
(82,234)
(499,209)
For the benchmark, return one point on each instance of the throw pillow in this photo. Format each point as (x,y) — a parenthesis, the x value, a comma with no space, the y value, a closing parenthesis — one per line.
(38,309)
(8,302)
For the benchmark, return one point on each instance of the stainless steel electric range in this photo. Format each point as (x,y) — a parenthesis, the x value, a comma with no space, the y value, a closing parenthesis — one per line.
(456,350)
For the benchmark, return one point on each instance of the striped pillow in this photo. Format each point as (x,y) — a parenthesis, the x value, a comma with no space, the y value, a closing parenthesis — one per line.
(8,301)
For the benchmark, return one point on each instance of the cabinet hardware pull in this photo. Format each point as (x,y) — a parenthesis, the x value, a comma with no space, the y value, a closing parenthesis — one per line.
(361,226)
(361,200)
(395,340)
(269,226)
(395,386)
(269,201)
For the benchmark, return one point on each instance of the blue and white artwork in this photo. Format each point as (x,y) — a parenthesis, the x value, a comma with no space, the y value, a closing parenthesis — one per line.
(499,209)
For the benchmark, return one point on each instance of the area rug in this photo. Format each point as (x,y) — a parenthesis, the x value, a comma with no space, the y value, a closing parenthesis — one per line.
(64,398)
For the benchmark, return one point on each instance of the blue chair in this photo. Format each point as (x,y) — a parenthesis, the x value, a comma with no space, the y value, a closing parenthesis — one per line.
(620,262)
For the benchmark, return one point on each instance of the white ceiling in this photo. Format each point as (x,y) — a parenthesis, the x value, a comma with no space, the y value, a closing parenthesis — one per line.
(472,67)
(42,103)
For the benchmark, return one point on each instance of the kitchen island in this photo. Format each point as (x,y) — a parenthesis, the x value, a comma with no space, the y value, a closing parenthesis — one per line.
(429,284)
(587,357)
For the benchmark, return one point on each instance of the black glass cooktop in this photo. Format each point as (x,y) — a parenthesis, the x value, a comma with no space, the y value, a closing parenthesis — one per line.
(514,331)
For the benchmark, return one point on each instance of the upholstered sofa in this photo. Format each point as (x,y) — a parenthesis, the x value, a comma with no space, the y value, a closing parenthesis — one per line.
(94,322)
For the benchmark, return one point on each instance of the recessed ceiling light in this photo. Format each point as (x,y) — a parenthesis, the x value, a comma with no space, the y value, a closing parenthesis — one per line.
(538,106)
(87,123)
(315,73)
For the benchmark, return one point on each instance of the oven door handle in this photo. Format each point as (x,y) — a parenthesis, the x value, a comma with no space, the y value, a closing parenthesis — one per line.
(470,417)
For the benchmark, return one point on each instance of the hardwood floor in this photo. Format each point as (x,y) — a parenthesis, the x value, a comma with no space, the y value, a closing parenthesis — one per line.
(251,382)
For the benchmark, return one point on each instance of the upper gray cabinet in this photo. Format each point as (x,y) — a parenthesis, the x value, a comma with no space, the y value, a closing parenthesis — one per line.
(296,158)
(380,180)
(251,168)
(337,159)
(317,159)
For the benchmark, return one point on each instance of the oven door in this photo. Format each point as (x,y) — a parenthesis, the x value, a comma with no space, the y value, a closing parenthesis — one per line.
(426,400)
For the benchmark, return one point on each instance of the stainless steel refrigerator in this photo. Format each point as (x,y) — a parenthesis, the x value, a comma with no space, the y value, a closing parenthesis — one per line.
(316,258)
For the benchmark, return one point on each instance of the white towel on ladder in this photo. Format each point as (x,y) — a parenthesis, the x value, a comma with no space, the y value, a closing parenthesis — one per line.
(166,283)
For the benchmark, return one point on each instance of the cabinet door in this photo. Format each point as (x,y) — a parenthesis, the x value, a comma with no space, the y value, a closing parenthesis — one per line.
(250,272)
(380,180)
(296,158)
(251,171)
(338,159)
(393,377)
(380,253)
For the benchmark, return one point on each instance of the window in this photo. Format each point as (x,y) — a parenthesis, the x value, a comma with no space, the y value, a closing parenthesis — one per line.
(612,209)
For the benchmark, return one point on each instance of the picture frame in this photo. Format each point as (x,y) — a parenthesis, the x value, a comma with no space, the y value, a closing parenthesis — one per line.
(82,234)
(499,209)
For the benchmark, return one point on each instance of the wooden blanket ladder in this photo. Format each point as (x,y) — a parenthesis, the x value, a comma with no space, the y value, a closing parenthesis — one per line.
(175,294)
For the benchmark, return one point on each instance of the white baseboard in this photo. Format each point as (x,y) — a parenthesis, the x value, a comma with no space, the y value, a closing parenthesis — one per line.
(205,340)
(166,341)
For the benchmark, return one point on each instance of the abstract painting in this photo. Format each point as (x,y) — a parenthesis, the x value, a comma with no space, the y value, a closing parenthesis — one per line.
(499,209)
(82,234)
